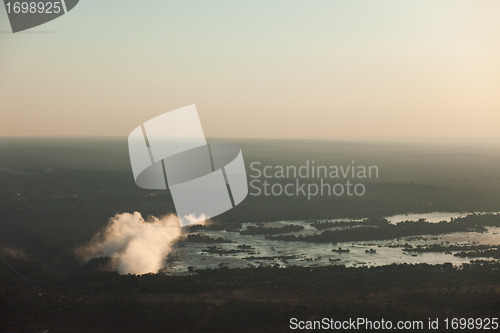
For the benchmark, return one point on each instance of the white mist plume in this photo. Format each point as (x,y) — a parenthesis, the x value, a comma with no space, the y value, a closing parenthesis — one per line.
(192,219)
(10,252)
(137,246)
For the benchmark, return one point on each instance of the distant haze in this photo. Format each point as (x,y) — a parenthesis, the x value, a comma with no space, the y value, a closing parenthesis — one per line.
(258,69)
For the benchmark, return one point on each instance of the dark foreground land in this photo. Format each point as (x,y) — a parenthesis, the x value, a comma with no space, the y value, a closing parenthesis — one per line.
(57,194)
(242,300)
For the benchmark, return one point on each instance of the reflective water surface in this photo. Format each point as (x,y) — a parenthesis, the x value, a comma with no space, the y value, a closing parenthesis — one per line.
(255,250)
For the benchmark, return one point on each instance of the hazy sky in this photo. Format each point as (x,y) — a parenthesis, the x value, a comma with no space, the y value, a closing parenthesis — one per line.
(274,69)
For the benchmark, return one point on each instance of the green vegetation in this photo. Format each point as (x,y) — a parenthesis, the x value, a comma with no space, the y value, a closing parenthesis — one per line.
(271,257)
(365,222)
(331,224)
(57,194)
(251,230)
(197,238)
(246,300)
(380,231)
(441,248)
(493,253)
(220,251)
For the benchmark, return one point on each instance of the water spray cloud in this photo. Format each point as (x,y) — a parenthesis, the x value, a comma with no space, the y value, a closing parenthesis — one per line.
(136,245)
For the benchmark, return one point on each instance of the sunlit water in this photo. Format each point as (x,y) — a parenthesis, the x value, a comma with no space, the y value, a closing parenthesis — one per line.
(429,217)
(320,254)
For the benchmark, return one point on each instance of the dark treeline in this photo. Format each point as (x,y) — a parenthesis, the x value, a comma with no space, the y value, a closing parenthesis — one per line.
(368,231)
(259,299)
(333,277)
(443,248)
(258,230)
(331,224)
(197,238)
(367,222)
(493,253)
